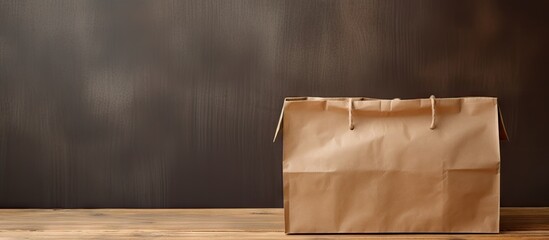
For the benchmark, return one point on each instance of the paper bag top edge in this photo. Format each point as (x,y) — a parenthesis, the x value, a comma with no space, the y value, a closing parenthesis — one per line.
(503,136)
(375,99)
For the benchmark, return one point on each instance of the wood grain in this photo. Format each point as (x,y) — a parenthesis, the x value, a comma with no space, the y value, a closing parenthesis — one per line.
(173,103)
(516,223)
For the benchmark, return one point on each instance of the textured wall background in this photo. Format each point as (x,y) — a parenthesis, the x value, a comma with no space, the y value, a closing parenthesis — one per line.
(174,103)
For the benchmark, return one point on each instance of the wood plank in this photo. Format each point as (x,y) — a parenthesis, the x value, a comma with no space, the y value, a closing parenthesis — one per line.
(124,234)
(516,223)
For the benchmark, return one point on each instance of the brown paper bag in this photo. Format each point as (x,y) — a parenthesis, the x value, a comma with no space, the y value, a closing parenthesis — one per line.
(358,165)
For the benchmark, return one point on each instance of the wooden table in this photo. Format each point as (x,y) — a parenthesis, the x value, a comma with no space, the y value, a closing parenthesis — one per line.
(516,223)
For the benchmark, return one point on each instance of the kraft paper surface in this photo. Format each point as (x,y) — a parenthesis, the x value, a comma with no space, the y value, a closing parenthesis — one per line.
(361,165)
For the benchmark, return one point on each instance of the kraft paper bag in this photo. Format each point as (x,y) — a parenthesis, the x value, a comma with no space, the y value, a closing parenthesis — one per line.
(360,165)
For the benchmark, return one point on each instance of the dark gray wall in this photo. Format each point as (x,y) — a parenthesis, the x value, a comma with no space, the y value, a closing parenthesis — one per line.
(174,103)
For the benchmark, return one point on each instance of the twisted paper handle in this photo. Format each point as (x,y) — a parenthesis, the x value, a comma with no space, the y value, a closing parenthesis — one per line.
(433,113)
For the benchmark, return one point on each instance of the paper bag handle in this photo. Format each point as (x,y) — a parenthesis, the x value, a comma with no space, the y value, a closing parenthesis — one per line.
(352,125)
(433,112)
(350,114)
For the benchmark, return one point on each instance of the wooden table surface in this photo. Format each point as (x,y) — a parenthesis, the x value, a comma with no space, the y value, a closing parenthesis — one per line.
(516,223)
